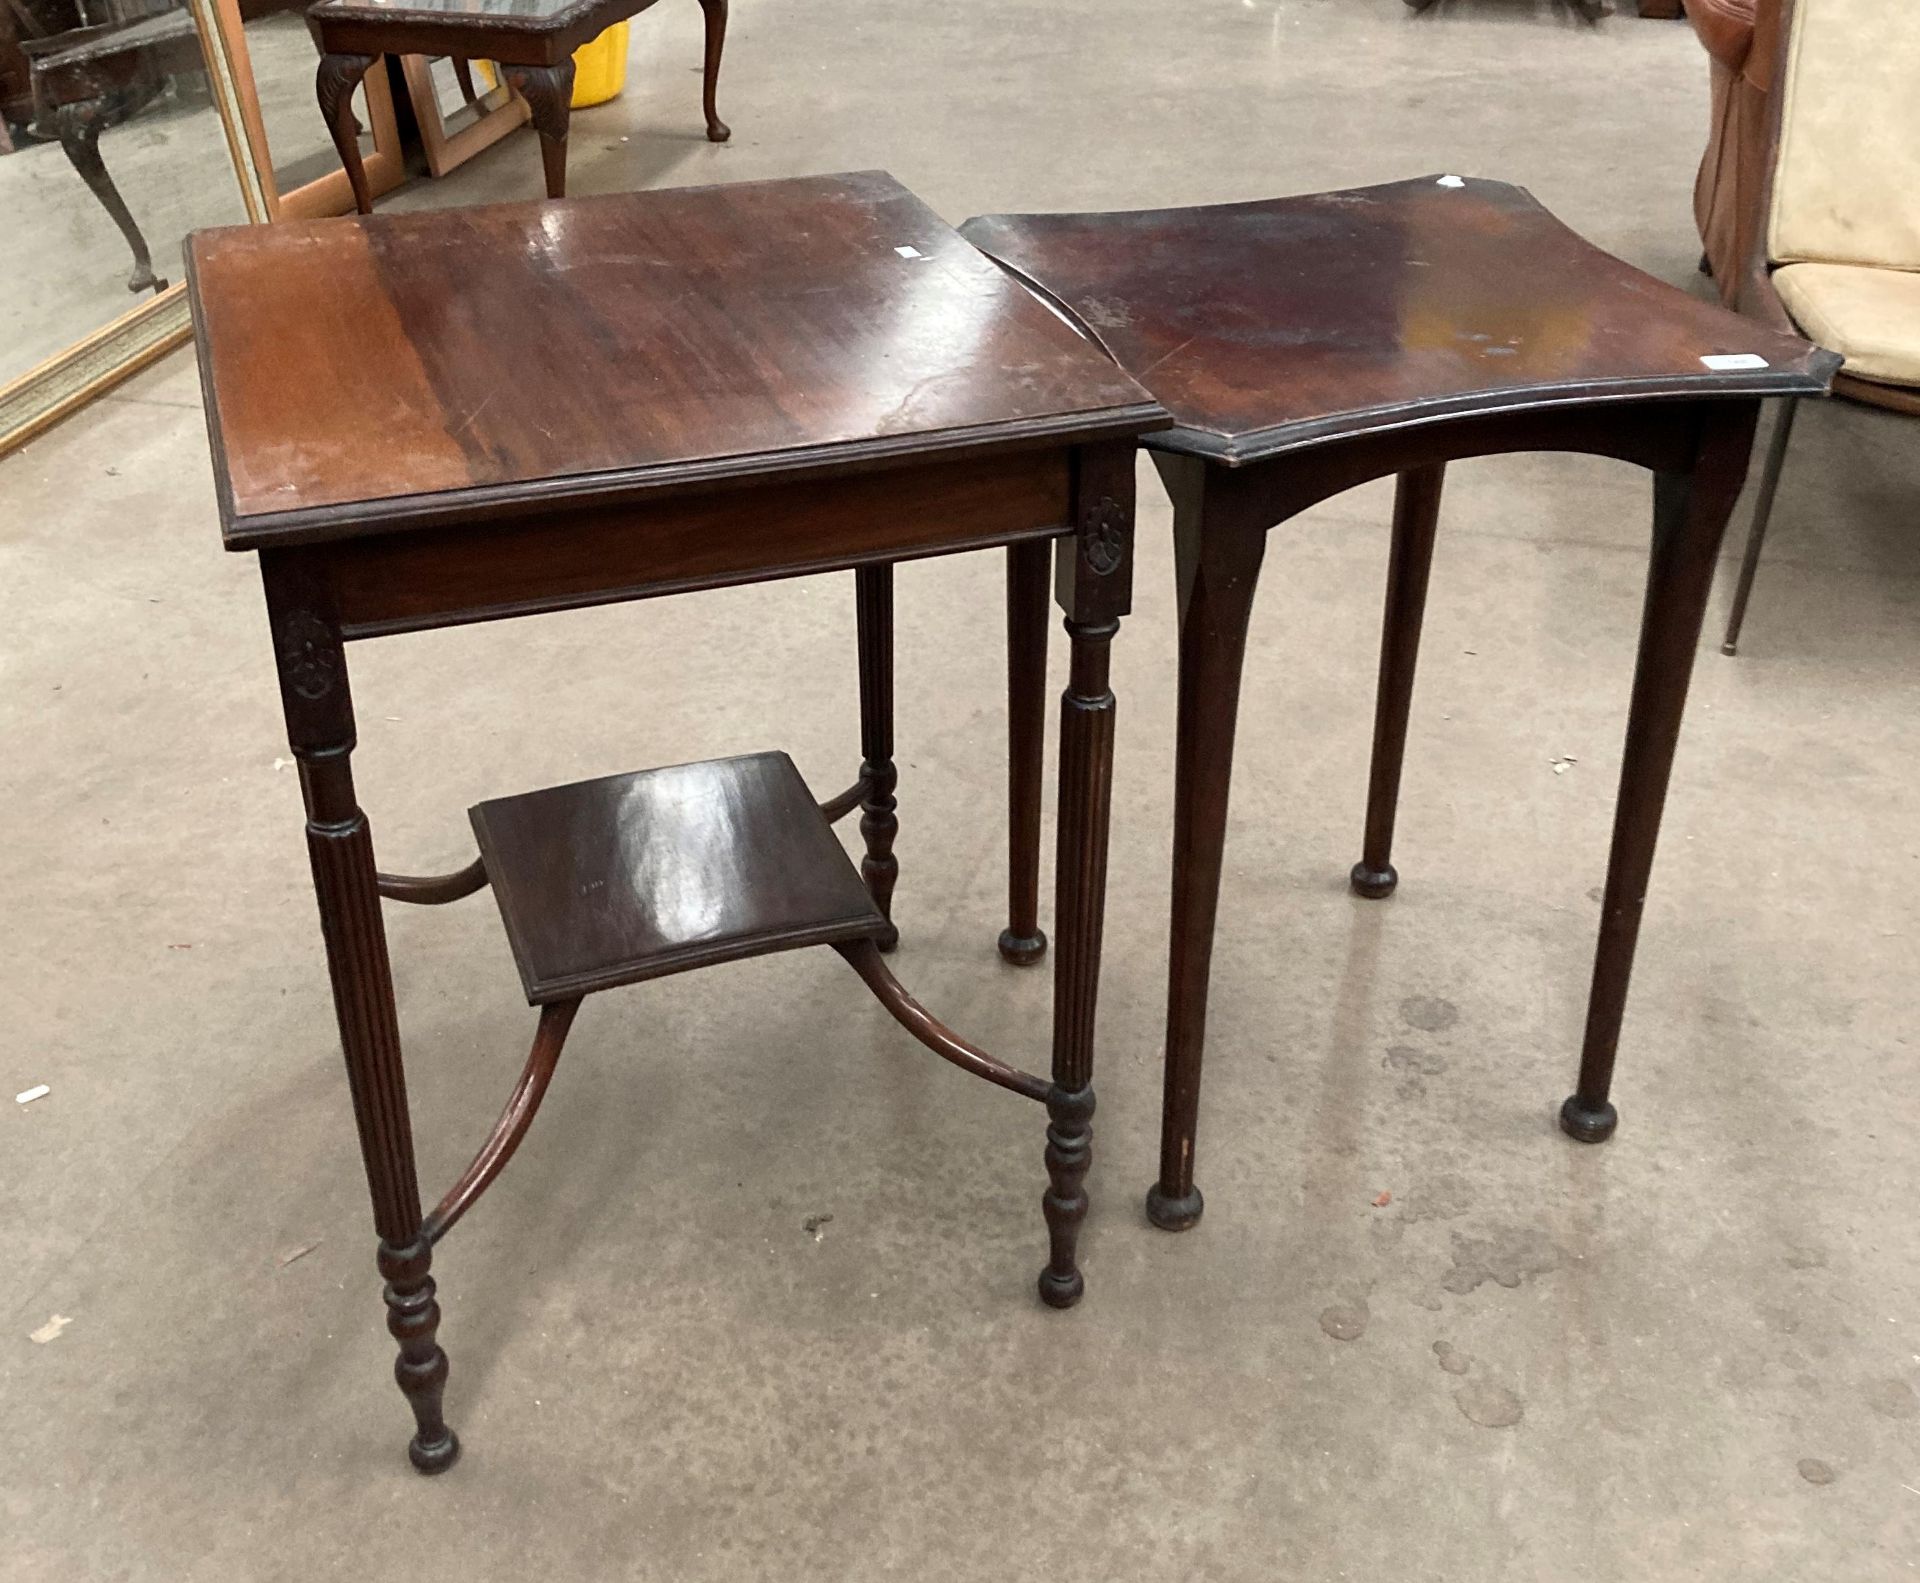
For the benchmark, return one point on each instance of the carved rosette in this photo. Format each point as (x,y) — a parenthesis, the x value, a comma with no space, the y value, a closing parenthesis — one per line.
(1103,537)
(309,655)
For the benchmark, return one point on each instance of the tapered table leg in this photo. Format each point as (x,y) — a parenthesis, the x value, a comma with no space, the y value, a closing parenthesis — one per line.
(1416,513)
(334,82)
(319,712)
(1218,564)
(1762,515)
(873,602)
(1093,584)
(1023,942)
(548,91)
(1689,518)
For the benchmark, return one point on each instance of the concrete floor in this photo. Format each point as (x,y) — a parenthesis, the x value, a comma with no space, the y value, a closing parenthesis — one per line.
(1709,1327)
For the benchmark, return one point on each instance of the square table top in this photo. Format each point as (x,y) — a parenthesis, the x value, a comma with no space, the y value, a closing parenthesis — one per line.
(1271,326)
(630,877)
(366,374)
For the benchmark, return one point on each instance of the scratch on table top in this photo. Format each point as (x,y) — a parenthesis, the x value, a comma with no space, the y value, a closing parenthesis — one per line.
(473,416)
(1141,376)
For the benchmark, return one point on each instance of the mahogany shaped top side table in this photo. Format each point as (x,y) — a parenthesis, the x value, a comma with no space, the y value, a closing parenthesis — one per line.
(426,419)
(532,41)
(1306,345)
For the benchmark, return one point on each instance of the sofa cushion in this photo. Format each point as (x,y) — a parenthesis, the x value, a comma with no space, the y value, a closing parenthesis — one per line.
(1871,317)
(1847,185)
(1725,27)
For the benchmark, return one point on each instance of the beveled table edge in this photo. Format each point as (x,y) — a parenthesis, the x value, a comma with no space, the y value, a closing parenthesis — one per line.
(494,502)
(352,12)
(1305,434)
(1300,434)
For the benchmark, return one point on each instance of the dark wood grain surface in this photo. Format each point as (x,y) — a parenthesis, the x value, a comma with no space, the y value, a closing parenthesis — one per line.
(630,877)
(1268,326)
(523,13)
(555,352)
(527,32)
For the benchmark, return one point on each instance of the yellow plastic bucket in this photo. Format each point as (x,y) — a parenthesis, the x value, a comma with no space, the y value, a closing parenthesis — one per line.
(600,68)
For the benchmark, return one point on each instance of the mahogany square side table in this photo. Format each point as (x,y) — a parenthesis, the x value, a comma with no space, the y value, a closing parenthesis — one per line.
(425,419)
(1306,345)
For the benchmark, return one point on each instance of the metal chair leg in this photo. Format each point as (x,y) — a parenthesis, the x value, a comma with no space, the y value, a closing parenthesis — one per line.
(1762,512)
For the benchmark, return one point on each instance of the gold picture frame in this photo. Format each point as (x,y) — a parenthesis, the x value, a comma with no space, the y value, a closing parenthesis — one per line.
(68,380)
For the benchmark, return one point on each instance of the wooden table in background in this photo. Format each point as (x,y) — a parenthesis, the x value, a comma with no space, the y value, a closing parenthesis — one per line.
(425,419)
(532,42)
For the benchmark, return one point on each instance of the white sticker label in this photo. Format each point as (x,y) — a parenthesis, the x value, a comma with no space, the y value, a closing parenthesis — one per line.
(909,252)
(1733,362)
(1451,181)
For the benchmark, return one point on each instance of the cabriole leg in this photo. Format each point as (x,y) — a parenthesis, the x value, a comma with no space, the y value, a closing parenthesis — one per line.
(548,91)
(334,82)
(716,28)
(78,126)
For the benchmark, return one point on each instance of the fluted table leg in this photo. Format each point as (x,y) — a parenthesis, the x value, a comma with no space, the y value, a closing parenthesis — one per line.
(319,715)
(1093,584)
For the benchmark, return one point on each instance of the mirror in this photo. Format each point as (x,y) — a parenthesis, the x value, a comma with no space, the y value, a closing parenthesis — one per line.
(273,59)
(125,125)
(460,107)
(112,148)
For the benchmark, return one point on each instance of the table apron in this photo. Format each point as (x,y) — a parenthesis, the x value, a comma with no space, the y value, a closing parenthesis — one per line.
(1658,435)
(445,576)
(470,37)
